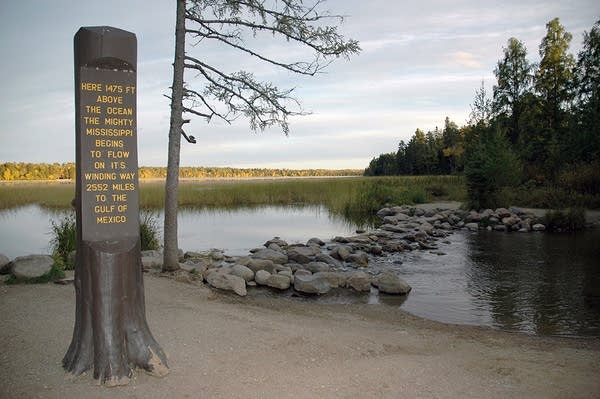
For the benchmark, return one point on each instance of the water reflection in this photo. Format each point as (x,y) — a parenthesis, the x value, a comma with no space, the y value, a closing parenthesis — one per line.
(27,229)
(537,283)
(544,284)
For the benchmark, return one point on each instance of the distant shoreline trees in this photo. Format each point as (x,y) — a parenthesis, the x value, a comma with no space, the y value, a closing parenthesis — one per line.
(11,171)
(540,128)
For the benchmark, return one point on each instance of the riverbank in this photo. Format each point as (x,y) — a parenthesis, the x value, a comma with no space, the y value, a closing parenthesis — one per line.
(222,346)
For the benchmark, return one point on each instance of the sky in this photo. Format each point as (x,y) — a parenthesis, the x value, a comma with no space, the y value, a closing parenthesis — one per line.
(420,63)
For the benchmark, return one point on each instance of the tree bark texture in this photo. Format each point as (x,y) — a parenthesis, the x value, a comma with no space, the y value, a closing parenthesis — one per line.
(111,334)
(171,248)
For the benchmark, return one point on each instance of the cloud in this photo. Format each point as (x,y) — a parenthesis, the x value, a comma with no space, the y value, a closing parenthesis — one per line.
(465,59)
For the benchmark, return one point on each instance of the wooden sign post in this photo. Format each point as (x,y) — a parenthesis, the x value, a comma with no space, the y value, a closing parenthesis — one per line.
(111,335)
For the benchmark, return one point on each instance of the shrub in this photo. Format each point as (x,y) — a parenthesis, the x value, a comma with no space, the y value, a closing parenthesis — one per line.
(490,166)
(572,219)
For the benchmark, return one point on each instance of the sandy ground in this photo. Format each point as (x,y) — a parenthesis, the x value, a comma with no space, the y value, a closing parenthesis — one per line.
(222,346)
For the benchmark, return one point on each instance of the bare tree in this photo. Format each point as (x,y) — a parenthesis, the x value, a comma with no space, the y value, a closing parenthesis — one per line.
(229,95)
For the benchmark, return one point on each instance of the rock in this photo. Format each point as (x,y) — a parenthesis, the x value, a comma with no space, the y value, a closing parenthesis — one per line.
(424,245)
(302,272)
(261,277)
(272,255)
(294,266)
(446,226)
(330,260)
(242,271)
(334,279)
(426,227)
(375,250)
(301,254)
(278,281)
(227,282)
(341,240)
(395,219)
(516,211)
(510,221)
(503,213)
(472,226)
(311,284)
(389,283)
(192,255)
(286,272)
(275,247)
(315,267)
(341,252)
(383,212)
(538,227)
(474,216)
(276,240)
(359,281)
(194,266)
(261,264)
(315,241)
(359,258)
(4,264)
(500,227)
(31,266)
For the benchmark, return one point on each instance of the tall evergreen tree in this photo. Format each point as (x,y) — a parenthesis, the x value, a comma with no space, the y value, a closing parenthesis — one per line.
(514,74)
(585,143)
(555,73)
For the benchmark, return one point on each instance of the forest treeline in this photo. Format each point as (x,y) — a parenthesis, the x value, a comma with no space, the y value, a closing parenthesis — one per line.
(57,171)
(538,131)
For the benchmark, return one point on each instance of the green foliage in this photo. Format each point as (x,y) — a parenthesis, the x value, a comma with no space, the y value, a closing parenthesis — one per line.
(490,166)
(149,229)
(63,241)
(572,219)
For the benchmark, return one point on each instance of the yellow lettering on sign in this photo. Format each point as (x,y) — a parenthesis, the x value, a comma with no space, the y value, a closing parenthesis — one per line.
(119,110)
(111,219)
(110,99)
(118,121)
(110,143)
(87,86)
(123,186)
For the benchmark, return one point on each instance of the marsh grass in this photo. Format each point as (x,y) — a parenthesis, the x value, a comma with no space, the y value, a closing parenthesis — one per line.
(53,195)
(352,198)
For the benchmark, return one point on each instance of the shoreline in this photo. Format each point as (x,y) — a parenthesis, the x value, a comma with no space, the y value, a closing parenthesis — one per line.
(230,347)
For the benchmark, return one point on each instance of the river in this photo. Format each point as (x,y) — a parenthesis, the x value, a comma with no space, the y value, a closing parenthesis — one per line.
(535,283)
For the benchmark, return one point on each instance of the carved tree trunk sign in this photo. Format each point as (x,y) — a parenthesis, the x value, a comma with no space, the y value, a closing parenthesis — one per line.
(111,335)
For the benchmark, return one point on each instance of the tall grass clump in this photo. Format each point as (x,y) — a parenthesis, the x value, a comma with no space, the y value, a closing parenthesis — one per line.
(149,229)
(64,240)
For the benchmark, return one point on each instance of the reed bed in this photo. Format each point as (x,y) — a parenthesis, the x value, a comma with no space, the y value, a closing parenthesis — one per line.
(343,196)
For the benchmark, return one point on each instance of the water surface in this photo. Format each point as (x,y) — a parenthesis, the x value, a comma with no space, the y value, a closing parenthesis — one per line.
(536,283)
